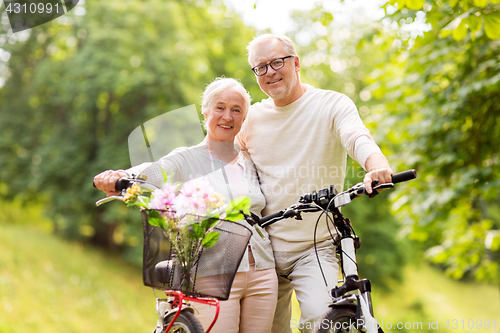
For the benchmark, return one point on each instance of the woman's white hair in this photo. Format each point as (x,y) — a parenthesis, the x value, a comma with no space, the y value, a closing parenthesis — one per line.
(220,84)
(264,38)
(217,86)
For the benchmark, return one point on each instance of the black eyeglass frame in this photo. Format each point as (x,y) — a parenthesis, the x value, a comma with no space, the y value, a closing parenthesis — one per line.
(254,69)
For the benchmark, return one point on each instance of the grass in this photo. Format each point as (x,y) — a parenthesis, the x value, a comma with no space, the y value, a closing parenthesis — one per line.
(49,285)
(427,296)
(427,299)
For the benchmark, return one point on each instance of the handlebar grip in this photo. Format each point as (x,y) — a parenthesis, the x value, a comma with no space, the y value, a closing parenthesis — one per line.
(404,176)
(122,184)
(266,218)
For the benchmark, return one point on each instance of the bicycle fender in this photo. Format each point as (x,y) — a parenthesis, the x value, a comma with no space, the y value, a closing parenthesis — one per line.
(344,303)
(187,308)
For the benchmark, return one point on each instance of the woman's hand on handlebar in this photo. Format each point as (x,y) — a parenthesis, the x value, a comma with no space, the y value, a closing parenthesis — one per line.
(106,181)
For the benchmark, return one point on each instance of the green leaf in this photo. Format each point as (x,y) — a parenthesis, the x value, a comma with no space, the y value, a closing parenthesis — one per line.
(475,23)
(210,239)
(235,216)
(197,231)
(237,207)
(481,3)
(155,219)
(143,201)
(415,4)
(208,223)
(153,213)
(133,203)
(165,176)
(453,3)
(401,3)
(460,32)
(492,25)
(326,18)
(445,33)
(495,244)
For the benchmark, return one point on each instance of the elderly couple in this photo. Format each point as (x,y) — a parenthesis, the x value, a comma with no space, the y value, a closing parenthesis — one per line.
(296,141)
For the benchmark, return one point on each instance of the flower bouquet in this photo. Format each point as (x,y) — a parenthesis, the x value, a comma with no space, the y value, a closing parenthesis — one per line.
(188,214)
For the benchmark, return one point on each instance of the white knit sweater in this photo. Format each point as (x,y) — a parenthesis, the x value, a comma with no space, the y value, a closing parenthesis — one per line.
(299,148)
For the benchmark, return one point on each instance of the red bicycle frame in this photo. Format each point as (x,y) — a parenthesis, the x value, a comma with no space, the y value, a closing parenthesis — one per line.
(178,301)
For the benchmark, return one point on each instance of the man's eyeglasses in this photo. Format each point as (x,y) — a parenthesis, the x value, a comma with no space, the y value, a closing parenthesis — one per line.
(275,64)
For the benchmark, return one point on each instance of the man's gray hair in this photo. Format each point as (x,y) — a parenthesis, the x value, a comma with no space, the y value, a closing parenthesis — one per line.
(220,84)
(264,38)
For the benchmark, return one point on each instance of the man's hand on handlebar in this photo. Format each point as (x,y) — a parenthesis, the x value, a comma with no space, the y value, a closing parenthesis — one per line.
(106,181)
(381,175)
(378,170)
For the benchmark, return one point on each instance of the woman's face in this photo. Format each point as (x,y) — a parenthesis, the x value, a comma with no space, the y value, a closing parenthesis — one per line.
(225,115)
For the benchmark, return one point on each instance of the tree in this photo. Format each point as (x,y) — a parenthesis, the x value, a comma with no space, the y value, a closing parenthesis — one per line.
(77,86)
(439,95)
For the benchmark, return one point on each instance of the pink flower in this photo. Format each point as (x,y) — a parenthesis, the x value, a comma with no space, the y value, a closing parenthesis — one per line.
(163,199)
(195,194)
(182,205)
(199,187)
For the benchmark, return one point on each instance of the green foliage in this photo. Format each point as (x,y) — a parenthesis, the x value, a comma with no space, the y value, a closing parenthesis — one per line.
(458,17)
(439,102)
(77,86)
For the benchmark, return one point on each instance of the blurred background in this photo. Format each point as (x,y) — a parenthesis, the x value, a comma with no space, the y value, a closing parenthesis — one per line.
(425,75)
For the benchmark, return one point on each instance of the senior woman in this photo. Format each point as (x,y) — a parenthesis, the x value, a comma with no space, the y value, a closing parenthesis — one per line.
(252,301)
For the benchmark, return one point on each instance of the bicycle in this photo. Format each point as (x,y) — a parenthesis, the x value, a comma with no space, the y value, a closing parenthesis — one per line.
(208,284)
(351,308)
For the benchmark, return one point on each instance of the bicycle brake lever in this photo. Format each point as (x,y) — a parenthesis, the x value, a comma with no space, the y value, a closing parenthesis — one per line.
(254,221)
(379,188)
(108,199)
(257,228)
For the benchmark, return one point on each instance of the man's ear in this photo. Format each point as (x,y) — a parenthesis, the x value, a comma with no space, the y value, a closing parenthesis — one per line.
(297,63)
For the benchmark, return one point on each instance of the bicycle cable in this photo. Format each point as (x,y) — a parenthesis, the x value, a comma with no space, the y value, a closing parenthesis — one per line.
(337,230)
(324,211)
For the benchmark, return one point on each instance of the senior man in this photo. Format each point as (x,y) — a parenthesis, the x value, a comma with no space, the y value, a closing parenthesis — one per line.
(299,139)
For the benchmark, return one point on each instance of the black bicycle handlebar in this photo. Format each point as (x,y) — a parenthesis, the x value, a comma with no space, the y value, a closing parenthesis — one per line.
(404,176)
(122,183)
(272,216)
(324,196)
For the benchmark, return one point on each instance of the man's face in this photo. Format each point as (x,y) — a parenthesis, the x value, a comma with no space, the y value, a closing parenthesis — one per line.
(277,84)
